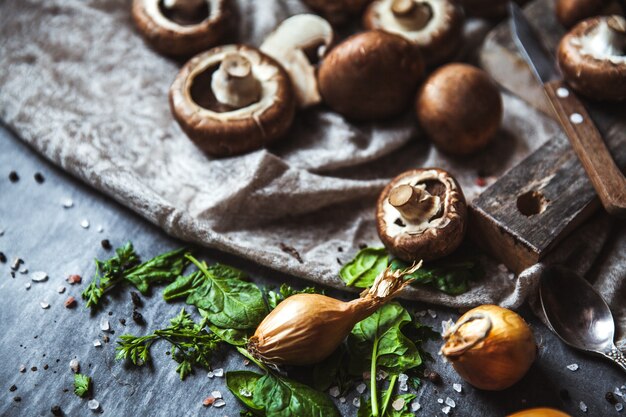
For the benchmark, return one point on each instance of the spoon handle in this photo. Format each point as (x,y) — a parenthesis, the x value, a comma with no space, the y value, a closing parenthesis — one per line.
(616,356)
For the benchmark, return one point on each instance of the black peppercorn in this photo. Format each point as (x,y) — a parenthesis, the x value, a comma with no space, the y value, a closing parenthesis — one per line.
(138,318)
(56,410)
(39,177)
(106,244)
(13,177)
(610,397)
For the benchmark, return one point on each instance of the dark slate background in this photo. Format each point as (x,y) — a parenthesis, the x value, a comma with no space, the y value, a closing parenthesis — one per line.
(49,238)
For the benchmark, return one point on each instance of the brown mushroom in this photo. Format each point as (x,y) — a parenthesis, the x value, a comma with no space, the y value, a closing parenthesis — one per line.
(460,108)
(371,75)
(292,43)
(232,99)
(435,26)
(182,27)
(337,12)
(421,214)
(592,57)
(570,12)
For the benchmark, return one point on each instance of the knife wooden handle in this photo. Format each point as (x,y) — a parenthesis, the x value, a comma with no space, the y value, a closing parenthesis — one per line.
(606,177)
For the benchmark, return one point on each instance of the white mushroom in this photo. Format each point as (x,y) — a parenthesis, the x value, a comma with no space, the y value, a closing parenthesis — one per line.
(291,44)
(607,41)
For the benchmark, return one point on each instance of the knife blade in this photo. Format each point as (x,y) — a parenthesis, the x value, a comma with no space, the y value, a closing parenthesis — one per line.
(583,135)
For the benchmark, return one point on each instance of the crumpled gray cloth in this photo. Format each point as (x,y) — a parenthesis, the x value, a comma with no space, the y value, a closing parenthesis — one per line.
(80,86)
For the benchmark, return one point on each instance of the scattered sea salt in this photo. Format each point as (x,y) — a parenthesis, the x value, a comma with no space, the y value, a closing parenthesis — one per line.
(84,224)
(39,276)
(403,377)
(420,313)
(618,392)
(449,401)
(583,407)
(97,343)
(398,404)
(334,392)
(216,394)
(432,313)
(446,409)
(440,400)
(68,203)
(381,375)
(415,406)
(219,372)
(24,271)
(100,229)
(74,365)
(403,386)
(105,326)
(27,285)
(61,289)
(457,387)
(342,400)
(22,368)
(573,367)
(219,403)
(619,407)
(210,374)
(361,388)
(93,405)
(245,393)
(44,305)
(356,402)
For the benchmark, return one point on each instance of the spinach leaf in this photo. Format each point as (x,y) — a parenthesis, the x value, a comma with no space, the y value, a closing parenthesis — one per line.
(161,268)
(274,298)
(183,286)
(242,384)
(228,301)
(450,277)
(395,352)
(282,397)
(365,267)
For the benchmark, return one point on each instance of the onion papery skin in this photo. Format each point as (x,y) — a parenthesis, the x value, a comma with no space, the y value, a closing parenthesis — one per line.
(539,412)
(498,360)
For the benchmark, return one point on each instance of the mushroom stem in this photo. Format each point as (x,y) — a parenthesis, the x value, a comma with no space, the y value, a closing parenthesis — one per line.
(609,39)
(412,14)
(234,83)
(416,205)
(186,9)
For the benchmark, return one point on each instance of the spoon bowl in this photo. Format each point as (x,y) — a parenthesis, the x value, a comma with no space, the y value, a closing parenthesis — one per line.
(578,314)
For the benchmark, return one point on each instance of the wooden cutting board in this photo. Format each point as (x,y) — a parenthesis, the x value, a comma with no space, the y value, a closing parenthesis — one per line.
(528,211)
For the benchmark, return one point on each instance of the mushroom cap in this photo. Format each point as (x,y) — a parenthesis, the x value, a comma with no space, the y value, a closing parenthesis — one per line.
(438,41)
(489,9)
(570,12)
(234,131)
(460,108)
(171,38)
(337,12)
(371,75)
(597,79)
(438,237)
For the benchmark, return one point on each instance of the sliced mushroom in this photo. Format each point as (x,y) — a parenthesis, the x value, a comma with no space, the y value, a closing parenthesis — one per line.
(337,12)
(371,75)
(292,43)
(436,26)
(421,214)
(232,99)
(592,57)
(460,108)
(182,27)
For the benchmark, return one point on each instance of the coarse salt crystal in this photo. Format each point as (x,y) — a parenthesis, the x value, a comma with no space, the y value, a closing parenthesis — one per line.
(208,401)
(84,224)
(618,392)
(403,377)
(216,394)
(361,388)
(334,391)
(74,279)
(61,289)
(44,305)
(457,387)
(210,374)
(100,229)
(403,386)
(583,407)
(449,401)
(446,409)
(219,372)
(27,285)
(342,400)
(573,367)
(219,403)
(105,326)
(24,271)
(356,402)
(415,406)
(74,365)
(68,203)
(432,313)
(245,393)
(93,405)
(440,400)
(39,276)
(619,407)
(97,343)
(398,404)
(22,368)
(381,375)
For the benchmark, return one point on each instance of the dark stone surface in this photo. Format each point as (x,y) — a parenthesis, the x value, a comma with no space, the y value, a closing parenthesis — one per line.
(49,237)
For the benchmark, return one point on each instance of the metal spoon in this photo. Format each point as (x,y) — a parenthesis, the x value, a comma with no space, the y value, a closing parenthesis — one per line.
(578,314)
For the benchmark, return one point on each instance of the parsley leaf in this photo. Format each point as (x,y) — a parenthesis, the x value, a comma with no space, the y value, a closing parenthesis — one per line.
(275,297)
(82,385)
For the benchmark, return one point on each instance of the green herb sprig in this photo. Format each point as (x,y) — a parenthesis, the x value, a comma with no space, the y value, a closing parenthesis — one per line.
(82,385)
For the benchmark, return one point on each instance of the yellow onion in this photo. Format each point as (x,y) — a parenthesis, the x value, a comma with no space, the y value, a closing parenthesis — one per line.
(490,347)
(540,412)
(306,328)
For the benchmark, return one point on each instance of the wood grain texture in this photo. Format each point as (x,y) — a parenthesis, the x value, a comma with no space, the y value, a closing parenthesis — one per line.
(589,146)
